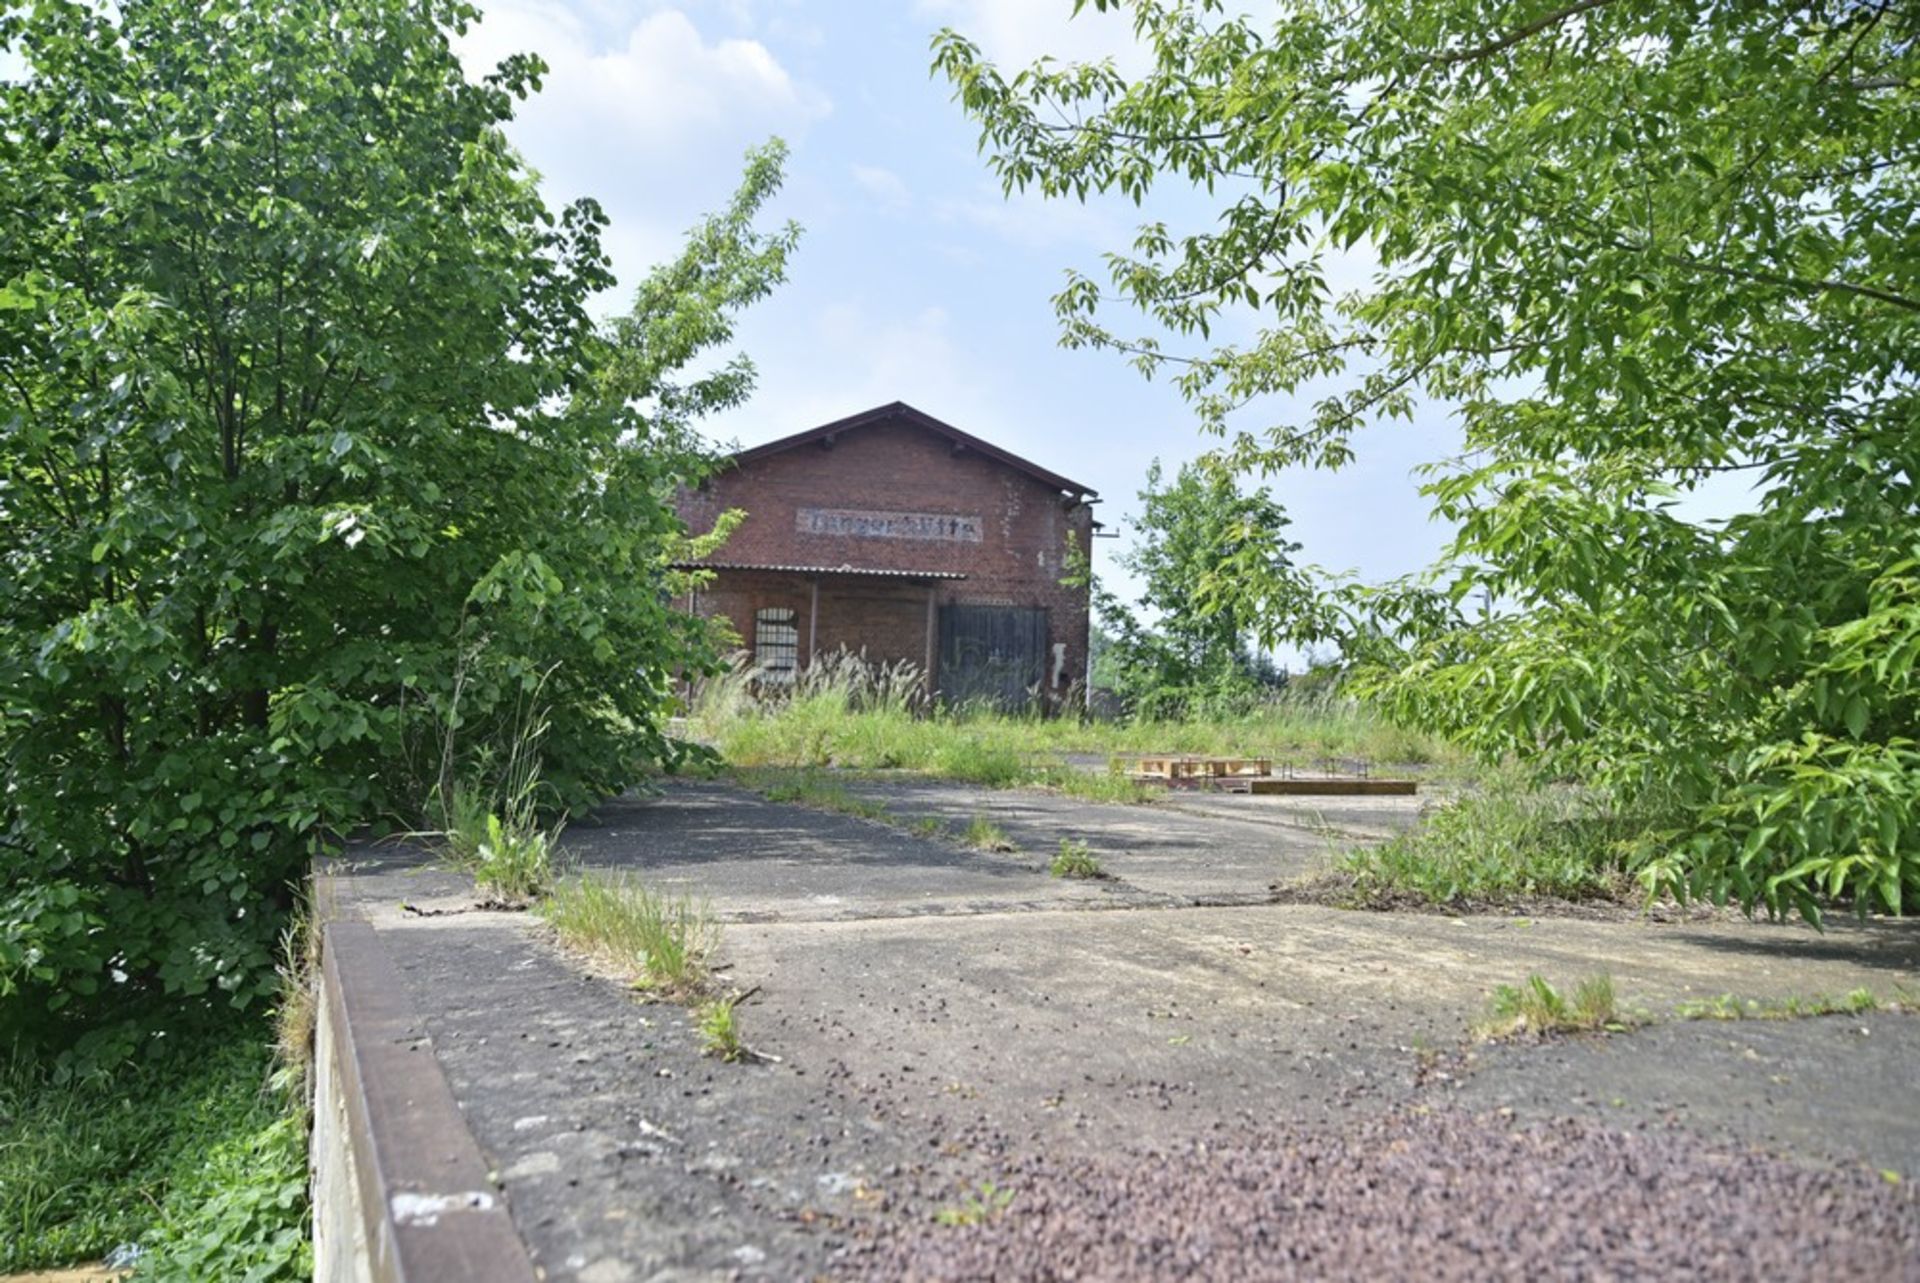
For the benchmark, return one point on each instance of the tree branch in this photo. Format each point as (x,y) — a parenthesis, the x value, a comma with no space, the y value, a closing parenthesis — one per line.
(1518,34)
(1802,283)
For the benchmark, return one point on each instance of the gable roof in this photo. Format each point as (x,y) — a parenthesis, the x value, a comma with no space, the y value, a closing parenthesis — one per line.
(902,412)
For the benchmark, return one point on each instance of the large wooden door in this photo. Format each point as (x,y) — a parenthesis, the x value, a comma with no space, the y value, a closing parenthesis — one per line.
(992,654)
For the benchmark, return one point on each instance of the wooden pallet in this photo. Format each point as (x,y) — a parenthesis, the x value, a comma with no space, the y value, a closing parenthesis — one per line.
(1188,767)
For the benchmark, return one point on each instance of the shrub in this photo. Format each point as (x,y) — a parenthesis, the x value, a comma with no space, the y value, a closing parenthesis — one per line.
(289,456)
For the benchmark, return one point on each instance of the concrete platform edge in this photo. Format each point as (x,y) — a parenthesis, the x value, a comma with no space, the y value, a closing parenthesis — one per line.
(401,1191)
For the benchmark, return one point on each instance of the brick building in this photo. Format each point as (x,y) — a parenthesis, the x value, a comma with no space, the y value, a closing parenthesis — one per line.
(894,534)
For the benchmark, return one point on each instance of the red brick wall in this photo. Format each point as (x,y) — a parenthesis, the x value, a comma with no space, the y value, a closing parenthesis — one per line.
(1023,531)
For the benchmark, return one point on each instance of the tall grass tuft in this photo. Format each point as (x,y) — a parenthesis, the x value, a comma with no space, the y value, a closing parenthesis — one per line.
(664,943)
(490,817)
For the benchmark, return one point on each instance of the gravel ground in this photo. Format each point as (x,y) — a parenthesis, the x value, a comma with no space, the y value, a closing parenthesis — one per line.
(1434,1195)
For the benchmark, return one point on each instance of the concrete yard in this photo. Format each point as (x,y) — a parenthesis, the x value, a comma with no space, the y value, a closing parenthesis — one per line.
(936,1017)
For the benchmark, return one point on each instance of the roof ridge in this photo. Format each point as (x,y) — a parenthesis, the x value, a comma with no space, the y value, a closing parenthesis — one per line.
(921,419)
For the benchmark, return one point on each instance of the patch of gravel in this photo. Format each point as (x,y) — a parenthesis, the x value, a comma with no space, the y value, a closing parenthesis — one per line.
(1437,1195)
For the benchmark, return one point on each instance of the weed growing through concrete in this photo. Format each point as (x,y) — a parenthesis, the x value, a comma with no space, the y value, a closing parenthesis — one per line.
(515,859)
(1075,860)
(1536,1007)
(928,827)
(1727,1007)
(811,789)
(506,851)
(984,835)
(664,942)
(490,819)
(719,1030)
(1509,842)
(977,1206)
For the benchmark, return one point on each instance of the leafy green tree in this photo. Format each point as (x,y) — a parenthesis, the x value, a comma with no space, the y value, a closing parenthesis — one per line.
(309,449)
(1190,532)
(1640,245)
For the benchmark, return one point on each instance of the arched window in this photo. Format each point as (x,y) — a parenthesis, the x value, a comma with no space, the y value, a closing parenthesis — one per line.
(776,643)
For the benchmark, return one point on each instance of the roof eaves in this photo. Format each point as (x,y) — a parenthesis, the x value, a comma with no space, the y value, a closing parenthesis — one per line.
(870,572)
(901,410)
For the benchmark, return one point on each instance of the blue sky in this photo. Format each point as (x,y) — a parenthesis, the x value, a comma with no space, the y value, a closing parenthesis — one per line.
(916,280)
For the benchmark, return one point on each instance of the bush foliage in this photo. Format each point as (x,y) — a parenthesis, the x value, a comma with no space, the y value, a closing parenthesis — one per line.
(1645,251)
(309,450)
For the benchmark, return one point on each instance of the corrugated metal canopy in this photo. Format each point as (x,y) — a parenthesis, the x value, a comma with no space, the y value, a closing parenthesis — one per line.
(863,571)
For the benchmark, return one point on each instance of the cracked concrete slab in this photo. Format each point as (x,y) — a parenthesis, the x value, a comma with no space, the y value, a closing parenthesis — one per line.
(936,1013)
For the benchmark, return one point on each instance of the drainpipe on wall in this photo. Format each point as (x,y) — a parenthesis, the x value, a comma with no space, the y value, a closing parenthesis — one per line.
(932,590)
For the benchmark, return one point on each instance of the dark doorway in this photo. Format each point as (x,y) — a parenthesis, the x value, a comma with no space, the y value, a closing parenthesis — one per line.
(992,654)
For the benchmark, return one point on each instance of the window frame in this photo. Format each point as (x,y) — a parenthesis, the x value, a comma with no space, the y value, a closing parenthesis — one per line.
(776,637)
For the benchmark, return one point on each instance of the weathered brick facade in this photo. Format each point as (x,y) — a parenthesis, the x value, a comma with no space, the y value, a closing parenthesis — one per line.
(865,529)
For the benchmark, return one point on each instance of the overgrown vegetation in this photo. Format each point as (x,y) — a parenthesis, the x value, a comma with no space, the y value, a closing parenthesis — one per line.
(1504,843)
(308,423)
(491,803)
(1075,859)
(665,943)
(846,713)
(1640,251)
(189,1151)
(1538,1008)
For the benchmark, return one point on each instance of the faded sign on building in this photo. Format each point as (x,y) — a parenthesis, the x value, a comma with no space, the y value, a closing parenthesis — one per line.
(873,524)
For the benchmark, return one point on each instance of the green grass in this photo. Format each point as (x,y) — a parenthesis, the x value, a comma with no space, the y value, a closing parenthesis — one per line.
(982,834)
(1075,860)
(720,1030)
(1727,1007)
(490,818)
(189,1151)
(1537,1007)
(815,789)
(664,943)
(848,715)
(1506,843)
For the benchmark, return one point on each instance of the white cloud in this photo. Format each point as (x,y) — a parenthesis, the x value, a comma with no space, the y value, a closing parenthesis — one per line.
(1015,33)
(1032,221)
(883,185)
(854,359)
(635,112)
